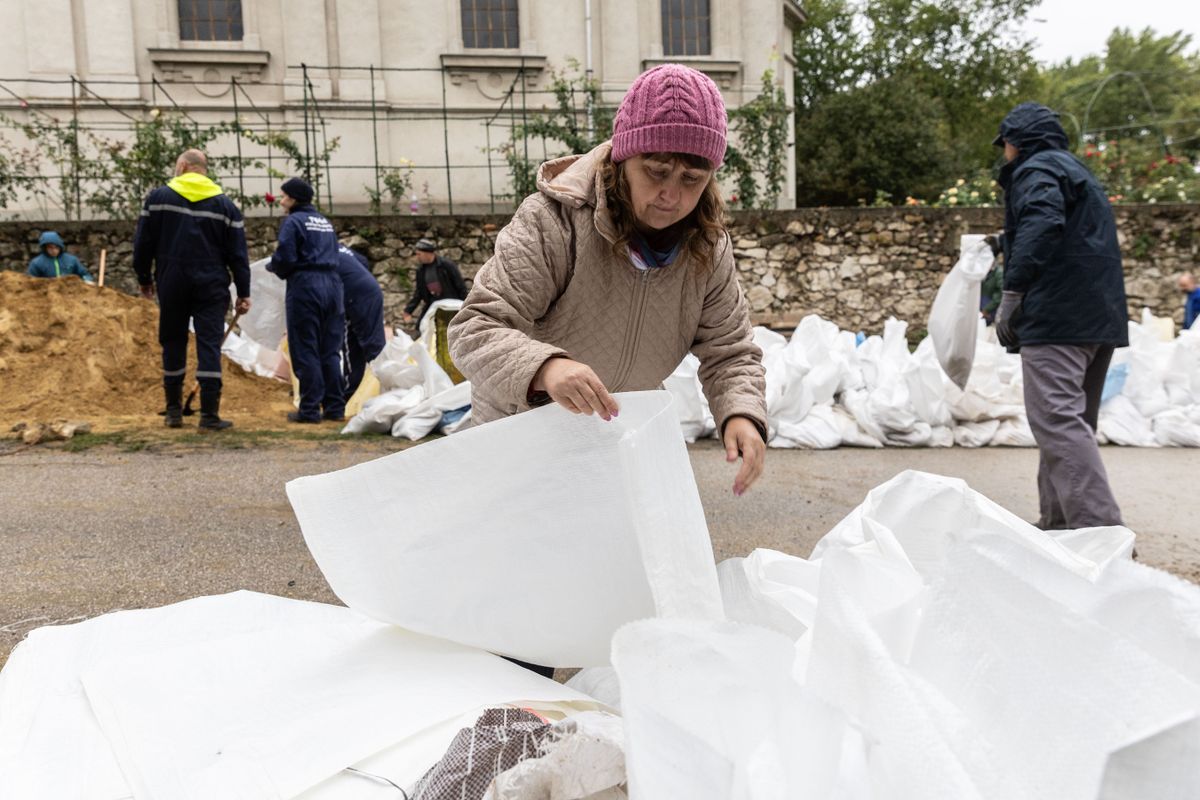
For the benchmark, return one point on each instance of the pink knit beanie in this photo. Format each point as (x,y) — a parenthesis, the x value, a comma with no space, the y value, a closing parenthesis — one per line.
(671,109)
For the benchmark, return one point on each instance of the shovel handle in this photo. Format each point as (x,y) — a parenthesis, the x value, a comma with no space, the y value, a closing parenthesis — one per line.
(228,330)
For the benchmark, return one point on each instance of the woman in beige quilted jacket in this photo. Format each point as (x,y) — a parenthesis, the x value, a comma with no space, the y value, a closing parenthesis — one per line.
(614,270)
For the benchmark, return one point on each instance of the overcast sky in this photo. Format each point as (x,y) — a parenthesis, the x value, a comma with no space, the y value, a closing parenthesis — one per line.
(1073,29)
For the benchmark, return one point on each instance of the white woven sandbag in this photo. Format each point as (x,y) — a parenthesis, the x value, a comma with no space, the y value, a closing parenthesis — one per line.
(954,317)
(535,536)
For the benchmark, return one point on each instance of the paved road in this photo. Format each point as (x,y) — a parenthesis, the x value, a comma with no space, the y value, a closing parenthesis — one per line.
(85,533)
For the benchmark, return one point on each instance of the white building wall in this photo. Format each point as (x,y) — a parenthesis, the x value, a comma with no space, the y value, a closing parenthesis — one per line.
(111,45)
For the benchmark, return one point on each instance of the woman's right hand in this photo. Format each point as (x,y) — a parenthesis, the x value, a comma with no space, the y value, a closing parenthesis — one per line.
(575,387)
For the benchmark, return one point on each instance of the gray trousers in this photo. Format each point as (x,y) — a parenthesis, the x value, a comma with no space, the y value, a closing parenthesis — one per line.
(1063,385)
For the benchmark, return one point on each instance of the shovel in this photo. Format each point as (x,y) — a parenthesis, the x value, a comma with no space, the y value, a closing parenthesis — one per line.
(187,405)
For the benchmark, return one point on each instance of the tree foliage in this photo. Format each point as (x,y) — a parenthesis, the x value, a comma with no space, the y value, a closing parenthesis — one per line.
(72,168)
(562,128)
(1144,87)
(757,152)
(901,96)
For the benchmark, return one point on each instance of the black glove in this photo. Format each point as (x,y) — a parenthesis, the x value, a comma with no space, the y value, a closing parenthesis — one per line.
(1006,318)
(993,241)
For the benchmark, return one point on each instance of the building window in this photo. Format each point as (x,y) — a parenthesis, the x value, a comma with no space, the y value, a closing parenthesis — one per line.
(686,28)
(490,23)
(210,20)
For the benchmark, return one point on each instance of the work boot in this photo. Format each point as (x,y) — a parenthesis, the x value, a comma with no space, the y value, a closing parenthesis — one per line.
(210,404)
(295,416)
(174,413)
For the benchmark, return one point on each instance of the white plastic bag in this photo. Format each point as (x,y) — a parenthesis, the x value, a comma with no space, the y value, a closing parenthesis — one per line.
(425,418)
(712,713)
(266,321)
(955,312)
(597,523)
(695,418)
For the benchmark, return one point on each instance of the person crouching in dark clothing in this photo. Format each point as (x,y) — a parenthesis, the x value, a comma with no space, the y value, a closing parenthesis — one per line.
(306,257)
(363,300)
(437,279)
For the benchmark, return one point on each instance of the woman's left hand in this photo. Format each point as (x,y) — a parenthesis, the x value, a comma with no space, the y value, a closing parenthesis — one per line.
(742,438)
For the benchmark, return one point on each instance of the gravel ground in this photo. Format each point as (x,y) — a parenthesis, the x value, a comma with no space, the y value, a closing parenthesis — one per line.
(89,532)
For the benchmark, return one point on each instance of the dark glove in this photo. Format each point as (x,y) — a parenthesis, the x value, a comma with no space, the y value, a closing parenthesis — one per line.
(1006,318)
(993,241)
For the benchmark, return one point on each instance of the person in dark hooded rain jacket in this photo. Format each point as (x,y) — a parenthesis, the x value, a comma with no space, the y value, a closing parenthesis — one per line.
(307,259)
(54,261)
(1063,308)
(194,237)
(363,299)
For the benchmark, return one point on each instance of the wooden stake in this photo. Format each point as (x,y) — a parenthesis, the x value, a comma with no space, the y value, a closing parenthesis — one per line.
(103,256)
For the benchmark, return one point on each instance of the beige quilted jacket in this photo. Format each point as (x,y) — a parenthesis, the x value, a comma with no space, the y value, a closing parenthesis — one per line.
(555,287)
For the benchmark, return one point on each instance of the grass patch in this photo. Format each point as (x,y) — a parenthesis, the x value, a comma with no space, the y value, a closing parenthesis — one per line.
(134,441)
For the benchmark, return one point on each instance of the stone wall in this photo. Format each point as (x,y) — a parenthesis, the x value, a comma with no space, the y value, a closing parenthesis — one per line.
(854,266)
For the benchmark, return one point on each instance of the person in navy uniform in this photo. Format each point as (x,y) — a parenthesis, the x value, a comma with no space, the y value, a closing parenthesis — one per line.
(307,258)
(363,299)
(195,238)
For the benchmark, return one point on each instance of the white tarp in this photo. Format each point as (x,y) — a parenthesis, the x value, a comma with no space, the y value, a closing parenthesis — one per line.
(237,695)
(603,518)
(942,647)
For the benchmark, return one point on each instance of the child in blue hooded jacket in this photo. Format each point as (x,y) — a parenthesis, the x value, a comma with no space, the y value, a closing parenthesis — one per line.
(54,261)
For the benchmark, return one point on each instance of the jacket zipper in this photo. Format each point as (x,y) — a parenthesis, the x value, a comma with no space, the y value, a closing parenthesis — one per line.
(633,336)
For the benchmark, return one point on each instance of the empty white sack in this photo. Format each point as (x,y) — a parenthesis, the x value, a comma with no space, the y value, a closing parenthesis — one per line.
(603,518)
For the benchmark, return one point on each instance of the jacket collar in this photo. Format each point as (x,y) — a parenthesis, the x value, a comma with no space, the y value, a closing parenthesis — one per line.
(576,181)
(193,186)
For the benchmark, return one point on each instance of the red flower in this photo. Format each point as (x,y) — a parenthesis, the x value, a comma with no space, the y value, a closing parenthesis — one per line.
(270,198)
(1153,165)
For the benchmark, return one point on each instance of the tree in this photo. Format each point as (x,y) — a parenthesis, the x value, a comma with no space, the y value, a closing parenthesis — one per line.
(757,152)
(927,80)
(1144,90)
(71,167)
(566,122)
(887,137)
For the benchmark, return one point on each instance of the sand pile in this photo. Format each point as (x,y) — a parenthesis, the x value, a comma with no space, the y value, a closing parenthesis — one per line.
(72,350)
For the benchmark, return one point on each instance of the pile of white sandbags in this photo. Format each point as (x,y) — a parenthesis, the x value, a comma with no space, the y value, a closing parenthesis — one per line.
(416,396)
(1155,388)
(827,388)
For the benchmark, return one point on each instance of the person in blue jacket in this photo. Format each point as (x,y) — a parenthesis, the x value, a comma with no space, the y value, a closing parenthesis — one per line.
(54,261)
(1191,302)
(1063,308)
(307,258)
(363,299)
(194,237)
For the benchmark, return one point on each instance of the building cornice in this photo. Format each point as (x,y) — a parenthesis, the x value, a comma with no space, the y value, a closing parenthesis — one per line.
(724,73)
